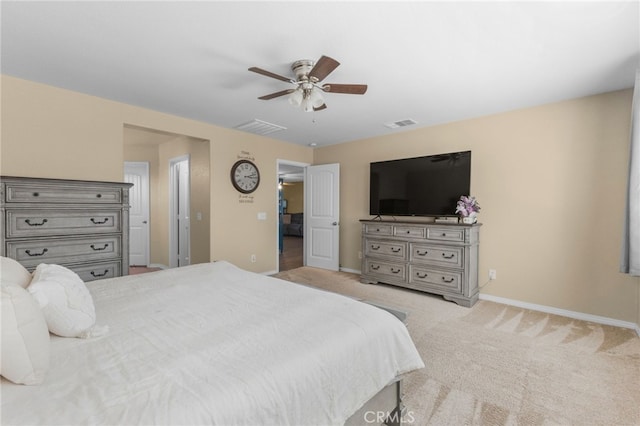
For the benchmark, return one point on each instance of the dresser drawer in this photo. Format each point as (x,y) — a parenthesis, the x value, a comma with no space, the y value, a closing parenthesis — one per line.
(34,223)
(440,255)
(385,270)
(445,234)
(64,250)
(34,193)
(451,281)
(394,249)
(98,271)
(409,231)
(378,229)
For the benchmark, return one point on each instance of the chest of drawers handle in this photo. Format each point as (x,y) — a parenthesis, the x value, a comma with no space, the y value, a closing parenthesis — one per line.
(450,280)
(421,253)
(94,274)
(99,195)
(28,222)
(98,222)
(396,249)
(419,275)
(36,194)
(448,257)
(44,250)
(98,248)
(375,267)
(395,271)
(375,247)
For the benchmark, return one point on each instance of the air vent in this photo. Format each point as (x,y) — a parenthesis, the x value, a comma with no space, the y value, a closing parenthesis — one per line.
(401,123)
(260,127)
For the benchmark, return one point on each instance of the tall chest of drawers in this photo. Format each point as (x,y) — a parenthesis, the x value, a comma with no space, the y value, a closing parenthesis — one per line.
(430,257)
(83,225)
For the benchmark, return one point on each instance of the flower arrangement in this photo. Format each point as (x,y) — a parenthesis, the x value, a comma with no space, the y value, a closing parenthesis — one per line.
(467,206)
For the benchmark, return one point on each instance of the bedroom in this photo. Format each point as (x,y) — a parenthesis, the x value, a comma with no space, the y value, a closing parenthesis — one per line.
(550,178)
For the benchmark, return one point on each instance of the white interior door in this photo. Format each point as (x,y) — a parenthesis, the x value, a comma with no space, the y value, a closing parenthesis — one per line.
(322,216)
(180,216)
(137,173)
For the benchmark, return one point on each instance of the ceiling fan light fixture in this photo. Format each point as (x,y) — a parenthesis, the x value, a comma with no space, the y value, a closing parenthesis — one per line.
(316,98)
(296,97)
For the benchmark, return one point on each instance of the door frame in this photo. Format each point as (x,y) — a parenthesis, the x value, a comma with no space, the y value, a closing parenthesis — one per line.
(277,214)
(173,190)
(147,243)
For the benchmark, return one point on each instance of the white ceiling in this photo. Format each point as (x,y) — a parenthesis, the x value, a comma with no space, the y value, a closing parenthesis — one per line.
(432,62)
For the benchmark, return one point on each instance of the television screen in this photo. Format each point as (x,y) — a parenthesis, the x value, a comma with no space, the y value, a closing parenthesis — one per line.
(421,186)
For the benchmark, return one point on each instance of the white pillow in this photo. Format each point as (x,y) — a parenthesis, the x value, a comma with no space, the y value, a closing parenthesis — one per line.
(12,272)
(24,339)
(64,299)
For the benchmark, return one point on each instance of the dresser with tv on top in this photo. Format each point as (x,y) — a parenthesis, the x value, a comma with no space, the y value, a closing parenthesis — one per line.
(82,225)
(436,258)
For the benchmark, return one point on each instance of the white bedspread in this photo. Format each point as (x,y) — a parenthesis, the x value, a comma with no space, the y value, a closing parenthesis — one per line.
(213,344)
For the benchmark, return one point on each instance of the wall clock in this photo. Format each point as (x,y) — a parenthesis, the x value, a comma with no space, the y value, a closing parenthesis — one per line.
(245,176)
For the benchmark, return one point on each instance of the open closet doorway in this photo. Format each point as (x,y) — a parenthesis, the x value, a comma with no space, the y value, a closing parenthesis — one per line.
(291,224)
(179,218)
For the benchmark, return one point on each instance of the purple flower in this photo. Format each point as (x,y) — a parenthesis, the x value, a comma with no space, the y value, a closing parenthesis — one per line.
(467,206)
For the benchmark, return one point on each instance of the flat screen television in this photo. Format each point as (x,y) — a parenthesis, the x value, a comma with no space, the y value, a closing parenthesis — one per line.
(420,186)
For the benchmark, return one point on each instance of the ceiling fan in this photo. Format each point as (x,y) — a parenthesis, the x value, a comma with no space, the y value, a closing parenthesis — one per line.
(307,92)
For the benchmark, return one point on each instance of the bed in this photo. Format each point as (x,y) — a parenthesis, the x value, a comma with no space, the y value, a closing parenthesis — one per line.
(214,344)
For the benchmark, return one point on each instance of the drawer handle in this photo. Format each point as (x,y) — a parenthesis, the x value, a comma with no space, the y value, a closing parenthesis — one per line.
(375,247)
(421,276)
(396,249)
(98,248)
(395,271)
(422,253)
(36,194)
(99,195)
(44,250)
(106,271)
(375,267)
(448,257)
(450,280)
(444,234)
(408,231)
(28,221)
(97,222)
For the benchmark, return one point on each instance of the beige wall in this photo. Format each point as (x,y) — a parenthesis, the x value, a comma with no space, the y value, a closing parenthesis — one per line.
(550,180)
(294,194)
(551,184)
(56,133)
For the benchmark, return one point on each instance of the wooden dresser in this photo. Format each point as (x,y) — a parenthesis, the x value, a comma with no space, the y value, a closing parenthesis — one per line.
(430,257)
(83,225)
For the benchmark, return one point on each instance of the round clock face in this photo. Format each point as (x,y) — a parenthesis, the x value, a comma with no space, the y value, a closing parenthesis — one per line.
(245,176)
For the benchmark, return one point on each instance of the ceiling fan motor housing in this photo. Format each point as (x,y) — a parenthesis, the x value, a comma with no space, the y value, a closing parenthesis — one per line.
(302,68)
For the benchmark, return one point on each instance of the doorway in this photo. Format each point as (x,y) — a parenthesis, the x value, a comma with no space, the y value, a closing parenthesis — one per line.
(290,250)
(179,215)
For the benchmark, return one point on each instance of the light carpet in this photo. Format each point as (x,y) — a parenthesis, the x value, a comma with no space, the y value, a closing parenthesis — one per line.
(495,364)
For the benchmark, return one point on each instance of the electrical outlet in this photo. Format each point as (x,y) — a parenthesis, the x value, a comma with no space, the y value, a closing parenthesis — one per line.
(253,258)
(492,274)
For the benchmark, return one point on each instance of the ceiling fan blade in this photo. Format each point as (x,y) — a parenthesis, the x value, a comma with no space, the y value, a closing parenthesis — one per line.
(323,67)
(276,94)
(351,89)
(270,74)
(320,108)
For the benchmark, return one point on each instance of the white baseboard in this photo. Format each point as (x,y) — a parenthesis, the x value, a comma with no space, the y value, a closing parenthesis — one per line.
(351,271)
(158,265)
(562,312)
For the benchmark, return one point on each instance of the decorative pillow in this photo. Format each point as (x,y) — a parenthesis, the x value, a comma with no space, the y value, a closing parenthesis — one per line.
(24,339)
(12,272)
(64,299)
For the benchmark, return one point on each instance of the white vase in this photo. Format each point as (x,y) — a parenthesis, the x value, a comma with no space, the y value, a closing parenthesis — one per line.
(469,220)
